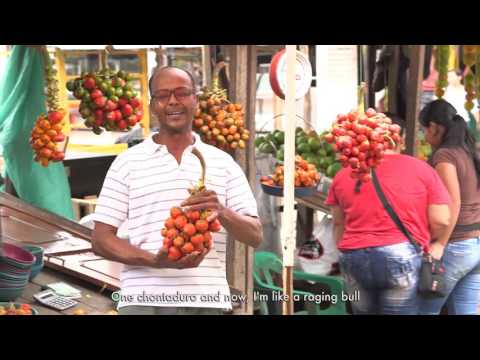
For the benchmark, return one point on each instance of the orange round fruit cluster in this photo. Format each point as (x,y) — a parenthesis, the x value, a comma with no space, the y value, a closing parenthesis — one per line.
(46,135)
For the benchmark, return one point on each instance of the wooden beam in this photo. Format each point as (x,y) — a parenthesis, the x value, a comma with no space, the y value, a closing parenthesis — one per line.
(243,91)
(414,91)
(206,65)
(370,59)
(307,100)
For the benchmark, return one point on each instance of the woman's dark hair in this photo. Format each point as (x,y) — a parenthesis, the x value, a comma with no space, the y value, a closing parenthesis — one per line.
(457,134)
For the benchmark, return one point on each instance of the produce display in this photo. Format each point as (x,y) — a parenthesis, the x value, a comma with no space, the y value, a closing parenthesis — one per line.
(185,232)
(16,309)
(219,122)
(46,134)
(305,174)
(360,140)
(310,146)
(469,58)
(108,100)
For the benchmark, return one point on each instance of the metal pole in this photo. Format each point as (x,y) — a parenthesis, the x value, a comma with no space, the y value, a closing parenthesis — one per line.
(289,217)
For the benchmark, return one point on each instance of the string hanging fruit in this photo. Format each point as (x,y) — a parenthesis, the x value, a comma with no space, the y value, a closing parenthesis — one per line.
(185,232)
(477,72)
(469,58)
(441,65)
(218,121)
(361,139)
(47,132)
(107,100)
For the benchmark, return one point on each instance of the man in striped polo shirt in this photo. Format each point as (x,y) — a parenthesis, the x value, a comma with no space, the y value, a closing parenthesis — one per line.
(141,186)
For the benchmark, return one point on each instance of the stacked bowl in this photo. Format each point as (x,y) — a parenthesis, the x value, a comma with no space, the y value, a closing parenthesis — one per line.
(37,266)
(15,269)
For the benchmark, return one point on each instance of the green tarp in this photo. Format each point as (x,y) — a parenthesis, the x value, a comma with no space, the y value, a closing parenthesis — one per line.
(22,100)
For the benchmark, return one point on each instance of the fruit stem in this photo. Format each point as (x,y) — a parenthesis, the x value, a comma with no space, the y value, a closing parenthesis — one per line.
(201,182)
(391,140)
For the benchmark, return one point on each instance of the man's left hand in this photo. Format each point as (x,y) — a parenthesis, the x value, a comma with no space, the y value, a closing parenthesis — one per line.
(205,200)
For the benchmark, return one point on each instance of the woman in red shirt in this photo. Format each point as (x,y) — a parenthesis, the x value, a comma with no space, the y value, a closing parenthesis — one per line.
(378,262)
(456,161)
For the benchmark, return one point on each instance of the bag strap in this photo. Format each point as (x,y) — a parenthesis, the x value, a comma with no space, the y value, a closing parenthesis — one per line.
(392,212)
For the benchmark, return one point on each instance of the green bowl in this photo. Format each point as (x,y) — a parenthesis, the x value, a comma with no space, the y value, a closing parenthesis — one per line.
(10,294)
(36,269)
(36,251)
(17,305)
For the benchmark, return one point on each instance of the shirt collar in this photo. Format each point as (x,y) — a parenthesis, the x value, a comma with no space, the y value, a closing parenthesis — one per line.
(152,146)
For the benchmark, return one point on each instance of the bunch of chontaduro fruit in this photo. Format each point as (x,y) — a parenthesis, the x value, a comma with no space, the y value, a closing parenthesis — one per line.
(186,232)
(219,122)
(46,135)
(108,100)
(361,139)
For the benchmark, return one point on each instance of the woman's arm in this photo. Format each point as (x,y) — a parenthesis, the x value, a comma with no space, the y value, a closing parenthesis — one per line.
(338,223)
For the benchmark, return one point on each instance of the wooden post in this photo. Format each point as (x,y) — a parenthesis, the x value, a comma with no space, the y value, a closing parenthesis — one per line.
(370,59)
(417,58)
(393,79)
(243,91)
(206,66)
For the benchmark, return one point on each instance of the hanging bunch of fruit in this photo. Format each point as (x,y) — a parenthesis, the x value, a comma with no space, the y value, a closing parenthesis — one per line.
(47,135)
(360,140)
(219,122)
(186,232)
(477,72)
(441,65)
(306,174)
(469,58)
(108,100)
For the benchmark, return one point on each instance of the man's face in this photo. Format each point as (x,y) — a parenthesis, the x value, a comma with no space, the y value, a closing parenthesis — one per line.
(173,100)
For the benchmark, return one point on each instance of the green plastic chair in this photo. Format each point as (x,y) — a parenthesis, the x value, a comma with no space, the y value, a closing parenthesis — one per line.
(267,264)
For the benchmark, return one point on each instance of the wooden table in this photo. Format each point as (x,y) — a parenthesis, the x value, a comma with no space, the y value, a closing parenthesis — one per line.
(94,300)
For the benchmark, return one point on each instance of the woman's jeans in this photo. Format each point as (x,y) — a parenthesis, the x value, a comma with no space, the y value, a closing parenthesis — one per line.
(462,280)
(382,280)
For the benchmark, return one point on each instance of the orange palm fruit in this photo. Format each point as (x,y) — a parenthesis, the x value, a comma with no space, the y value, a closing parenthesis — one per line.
(180,222)
(174,253)
(197,239)
(169,223)
(172,233)
(175,212)
(189,229)
(187,248)
(201,225)
(178,242)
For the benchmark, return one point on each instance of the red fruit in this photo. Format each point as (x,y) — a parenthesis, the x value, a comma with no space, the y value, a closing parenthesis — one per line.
(172,233)
(341,117)
(135,103)
(167,243)
(100,102)
(352,134)
(139,114)
(396,137)
(343,158)
(352,116)
(193,216)
(363,120)
(180,222)
(347,151)
(355,151)
(334,148)
(337,131)
(329,138)
(197,239)
(370,112)
(207,236)
(169,223)
(347,125)
(201,225)
(122,125)
(89,83)
(215,226)
(98,114)
(174,254)
(164,232)
(110,105)
(371,123)
(361,138)
(354,163)
(371,163)
(189,229)
(122,102)
(99,122)
(118,115)
(96,94)
(363,166)
(110,116)
(178,242)
(132,120)
(345,142)
(55,117)
(127,110)
(365,177)
(175,212)
(188,248)
(375,136)
(364,146)
(58,156)
(59,138)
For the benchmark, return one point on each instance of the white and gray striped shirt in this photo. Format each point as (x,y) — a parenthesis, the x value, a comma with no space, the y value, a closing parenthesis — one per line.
(141,186)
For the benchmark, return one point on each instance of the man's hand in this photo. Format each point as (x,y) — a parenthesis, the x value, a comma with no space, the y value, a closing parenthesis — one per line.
(205,200)
(436,250)
(189,261)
